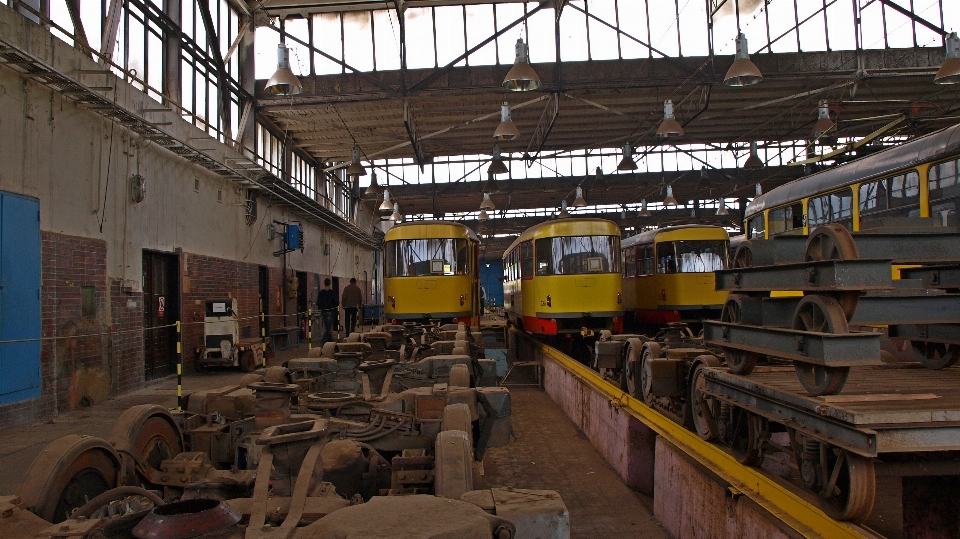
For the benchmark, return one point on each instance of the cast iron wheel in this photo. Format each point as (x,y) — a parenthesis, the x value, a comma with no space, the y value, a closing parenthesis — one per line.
(740,362)
(743,258)
(747,437)
(935,355)
(247,361)
(821,314)
(150,433)
(704,410)
(631,366)
(834,242)
(850,484)
(651,350)
(69,472)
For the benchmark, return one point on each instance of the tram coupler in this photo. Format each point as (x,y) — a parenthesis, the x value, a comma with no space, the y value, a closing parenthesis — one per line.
(586,332)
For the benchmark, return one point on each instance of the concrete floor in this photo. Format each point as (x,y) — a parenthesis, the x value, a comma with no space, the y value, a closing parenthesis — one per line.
(549,453)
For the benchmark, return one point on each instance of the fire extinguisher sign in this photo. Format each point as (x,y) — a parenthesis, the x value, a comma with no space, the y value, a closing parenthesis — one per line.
(161,306)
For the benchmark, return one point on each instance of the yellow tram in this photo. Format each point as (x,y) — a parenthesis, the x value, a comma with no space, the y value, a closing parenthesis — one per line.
(668,273)
(563,276)
(915,179)
(431,272)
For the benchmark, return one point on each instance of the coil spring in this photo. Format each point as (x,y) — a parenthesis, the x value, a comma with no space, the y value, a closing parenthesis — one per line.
(811,450)
(725,412)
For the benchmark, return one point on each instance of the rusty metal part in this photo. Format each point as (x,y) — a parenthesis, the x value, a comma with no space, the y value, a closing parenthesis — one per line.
(257,529)
(185,519)
(277,375)
(273,403)
(69,471)
(113,495)
(18,523)
(145,436)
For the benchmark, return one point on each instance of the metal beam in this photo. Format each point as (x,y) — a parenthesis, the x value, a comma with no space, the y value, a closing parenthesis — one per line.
(110,26)
(73,6)
(914,17)
(213,40)
(547,119)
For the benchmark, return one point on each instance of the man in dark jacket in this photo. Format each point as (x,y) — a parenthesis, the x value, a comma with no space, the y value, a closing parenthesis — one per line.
(329,309)
(352,300)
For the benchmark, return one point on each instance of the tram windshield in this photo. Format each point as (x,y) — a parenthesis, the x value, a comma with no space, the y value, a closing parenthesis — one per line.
(430,256)
(691,256)
(575,255)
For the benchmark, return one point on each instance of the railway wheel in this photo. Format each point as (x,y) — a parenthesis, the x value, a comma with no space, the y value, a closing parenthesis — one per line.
(704,410)
(821,314)
(834,242)
(748,433)
(935,355)
(739,361)
(68,473)
(850,484)
(631,367)
(651,350)
(247,361)
(149,433)
(743,258)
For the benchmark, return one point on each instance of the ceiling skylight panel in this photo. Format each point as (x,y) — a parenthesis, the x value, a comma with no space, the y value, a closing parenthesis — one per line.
(358,40)
(604,44)
(479,27)
(326,37)
(450,33)
(663,28)
(420,44)
(506,14)
(693,28)
(542,34)
(573,35)
(386,37)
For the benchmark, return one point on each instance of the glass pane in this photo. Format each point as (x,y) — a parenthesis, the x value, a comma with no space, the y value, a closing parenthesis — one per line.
(265,51)
(904,190)
(813,35)
(542,34)
(573,35)
(630,261)
(782,19)
(700,256)
(575,255)
(603,38)
(840,27)
(506,14)
(633,21)
(417,258)
(326,37)
(358,40)
(480,27)
(420,51)
(663,28)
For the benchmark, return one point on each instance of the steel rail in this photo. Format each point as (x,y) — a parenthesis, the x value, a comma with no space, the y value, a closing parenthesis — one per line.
(797,513)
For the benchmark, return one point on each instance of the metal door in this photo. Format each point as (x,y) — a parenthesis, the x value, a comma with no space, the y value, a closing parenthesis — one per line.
(161,309)
(19,297)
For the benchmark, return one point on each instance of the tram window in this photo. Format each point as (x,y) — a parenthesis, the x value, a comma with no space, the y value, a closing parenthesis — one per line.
(786,218)
(574,255)
(646,263)
(833,207)
(945,192)
(434,256)
(526,260)
(630,261)
(894,196)
(691,256)
(755,227)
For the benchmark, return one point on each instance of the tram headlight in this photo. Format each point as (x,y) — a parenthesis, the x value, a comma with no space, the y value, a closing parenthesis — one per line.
(619,298)
(462,298)
(393,301)
(548,301)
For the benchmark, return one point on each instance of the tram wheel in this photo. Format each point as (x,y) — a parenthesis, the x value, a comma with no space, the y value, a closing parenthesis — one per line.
(850,487)
(834,242)
(748,434)
(704,410)
(935,355)
(650,351)
(68,473)
(739,361)
(822,314)
(149,432)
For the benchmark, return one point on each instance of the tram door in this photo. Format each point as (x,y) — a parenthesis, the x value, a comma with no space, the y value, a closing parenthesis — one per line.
(161,308)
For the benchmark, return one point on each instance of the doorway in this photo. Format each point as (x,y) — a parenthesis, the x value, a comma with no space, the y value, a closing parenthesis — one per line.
(161,310)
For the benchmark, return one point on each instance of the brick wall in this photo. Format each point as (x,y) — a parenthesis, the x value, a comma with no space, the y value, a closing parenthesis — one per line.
(205,277)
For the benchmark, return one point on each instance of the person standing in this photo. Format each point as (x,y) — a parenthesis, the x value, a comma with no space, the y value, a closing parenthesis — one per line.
(352,300)
(329,308)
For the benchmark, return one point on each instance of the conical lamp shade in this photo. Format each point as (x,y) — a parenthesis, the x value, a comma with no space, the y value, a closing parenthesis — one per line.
(722,210)
(754,160)
(487,204)
(283,81)
(669,200)
(507,130)
(949,72)
(669,127)
(355,168)
(627,163)
(644,212)
(386,206)
(743,72)
(521,77)
(484,216)
(396,217)
(374,188)
(824,123)
(579,201)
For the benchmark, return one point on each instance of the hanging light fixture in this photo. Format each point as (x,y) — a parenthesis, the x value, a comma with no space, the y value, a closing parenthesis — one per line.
(644,212)
(484,216)
(487,204)
(579,201)
(623,212)
(754,160)
(490,186)
(507,130)
(283,81)
(627,163)
(722,210)
(396,217)
(669,126)
(563,210)
(758,191)
(598,183)
(704,183)
(355,168)
(496,164)
(669,200)
(521,77)
(824,123)
(386,206)
(743,72)
(374,188)
(949,72)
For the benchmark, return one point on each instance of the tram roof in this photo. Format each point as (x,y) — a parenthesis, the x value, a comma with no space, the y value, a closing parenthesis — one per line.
(572,226)
(649,235)
(414,230)
(910,154)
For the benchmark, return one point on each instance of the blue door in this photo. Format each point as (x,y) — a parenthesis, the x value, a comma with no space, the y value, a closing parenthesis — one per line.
(19,297)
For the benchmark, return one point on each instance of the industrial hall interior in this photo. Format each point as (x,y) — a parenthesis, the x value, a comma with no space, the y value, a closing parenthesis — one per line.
(479,269)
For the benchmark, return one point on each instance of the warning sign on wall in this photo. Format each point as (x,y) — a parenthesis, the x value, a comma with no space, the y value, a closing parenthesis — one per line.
(161,306)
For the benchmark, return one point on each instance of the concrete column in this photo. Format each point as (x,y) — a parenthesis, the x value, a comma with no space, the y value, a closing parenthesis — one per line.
(248,81)
(171,56)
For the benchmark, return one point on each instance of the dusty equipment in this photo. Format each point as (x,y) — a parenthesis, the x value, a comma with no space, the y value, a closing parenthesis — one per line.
(222,343)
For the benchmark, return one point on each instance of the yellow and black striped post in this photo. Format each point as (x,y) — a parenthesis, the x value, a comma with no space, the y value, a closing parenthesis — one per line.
(309,328)
(263,332)
(179,368)
(338,323)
